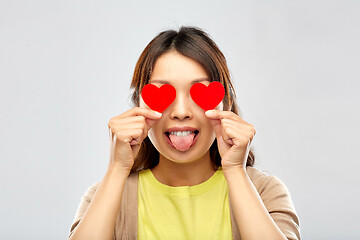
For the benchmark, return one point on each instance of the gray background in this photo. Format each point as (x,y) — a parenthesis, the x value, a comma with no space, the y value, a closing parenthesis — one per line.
(65,70)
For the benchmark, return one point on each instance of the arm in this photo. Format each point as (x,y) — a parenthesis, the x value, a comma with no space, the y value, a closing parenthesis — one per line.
(126,133)
(252,217)
(99,219)
(270,215)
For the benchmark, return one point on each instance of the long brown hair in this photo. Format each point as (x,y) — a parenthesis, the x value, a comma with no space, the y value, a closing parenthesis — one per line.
(194,43)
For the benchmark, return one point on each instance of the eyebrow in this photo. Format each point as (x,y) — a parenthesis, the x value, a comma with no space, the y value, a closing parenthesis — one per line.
(192,82)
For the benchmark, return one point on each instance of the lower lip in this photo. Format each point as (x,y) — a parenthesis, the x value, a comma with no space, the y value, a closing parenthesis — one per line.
(170,143)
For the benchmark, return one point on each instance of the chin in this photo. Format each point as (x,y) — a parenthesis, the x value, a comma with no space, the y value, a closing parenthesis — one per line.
(177,156)
(181,158)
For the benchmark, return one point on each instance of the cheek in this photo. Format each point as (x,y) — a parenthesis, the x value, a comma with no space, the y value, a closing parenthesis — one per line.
(151,134)
(153,138)
(155,133)
(211,133)
(207,129)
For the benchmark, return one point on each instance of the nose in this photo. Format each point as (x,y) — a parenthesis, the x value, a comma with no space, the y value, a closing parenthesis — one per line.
(181,107)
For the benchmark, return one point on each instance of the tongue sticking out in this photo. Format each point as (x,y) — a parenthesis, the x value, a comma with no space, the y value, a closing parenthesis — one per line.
(182,143)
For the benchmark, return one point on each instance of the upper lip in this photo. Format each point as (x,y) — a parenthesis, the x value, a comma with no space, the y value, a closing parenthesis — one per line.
(180,129)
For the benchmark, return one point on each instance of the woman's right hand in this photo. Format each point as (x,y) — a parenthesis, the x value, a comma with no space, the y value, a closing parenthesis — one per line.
(126,133)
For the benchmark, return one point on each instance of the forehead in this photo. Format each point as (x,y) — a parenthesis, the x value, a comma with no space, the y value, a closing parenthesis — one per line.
(161,81)
(177,69)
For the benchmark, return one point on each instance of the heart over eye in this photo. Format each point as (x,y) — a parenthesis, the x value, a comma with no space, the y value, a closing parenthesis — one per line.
(158,99)
(207,97)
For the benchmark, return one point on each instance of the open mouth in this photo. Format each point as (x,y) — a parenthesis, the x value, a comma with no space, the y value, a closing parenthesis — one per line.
(196,132)
(183,140)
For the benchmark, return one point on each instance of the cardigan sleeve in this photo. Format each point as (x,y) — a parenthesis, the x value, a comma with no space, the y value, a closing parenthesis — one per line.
(83,205)
(125,228)
(277,200)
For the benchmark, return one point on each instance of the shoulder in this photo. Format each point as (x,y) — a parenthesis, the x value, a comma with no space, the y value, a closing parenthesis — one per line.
(271,189)
(89,193)
(264,182)
(277,200)
(132,179)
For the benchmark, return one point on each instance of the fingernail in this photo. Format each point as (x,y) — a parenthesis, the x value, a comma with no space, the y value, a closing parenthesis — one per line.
(157,114)
(209,113)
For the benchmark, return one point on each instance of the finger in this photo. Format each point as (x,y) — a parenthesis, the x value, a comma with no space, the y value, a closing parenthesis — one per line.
(216,123)
(217,114)
(129,135)
(148,122)
(127,120)
(238,136)
(110,135)
(141,127)
(138,111)
(243,127)
(238,124)
(226,134)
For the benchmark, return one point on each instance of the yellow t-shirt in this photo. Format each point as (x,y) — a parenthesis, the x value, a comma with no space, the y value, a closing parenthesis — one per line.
(187,212)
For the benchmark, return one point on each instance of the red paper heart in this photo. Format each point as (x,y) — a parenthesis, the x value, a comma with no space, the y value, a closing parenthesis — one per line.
(207,97)
(158,99)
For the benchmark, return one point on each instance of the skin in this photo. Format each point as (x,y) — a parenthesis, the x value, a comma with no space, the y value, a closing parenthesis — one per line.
(181,168)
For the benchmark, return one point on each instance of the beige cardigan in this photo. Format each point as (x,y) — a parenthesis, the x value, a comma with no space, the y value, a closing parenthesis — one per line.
(271,189)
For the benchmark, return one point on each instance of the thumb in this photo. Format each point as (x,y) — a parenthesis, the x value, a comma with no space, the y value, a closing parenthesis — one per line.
(149,123)
(216,123)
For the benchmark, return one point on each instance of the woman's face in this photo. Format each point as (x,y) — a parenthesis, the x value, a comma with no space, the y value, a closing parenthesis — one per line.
(181,72)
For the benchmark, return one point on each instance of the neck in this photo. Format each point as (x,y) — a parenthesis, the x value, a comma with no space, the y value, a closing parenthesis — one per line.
(183,174)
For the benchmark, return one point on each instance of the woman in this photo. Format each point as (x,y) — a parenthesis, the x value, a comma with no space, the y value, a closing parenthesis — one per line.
(185,173)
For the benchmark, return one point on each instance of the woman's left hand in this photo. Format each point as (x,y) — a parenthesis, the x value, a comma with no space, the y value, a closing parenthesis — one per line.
(233,136)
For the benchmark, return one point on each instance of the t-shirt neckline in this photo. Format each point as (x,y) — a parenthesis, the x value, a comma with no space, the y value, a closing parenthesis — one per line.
(184,190)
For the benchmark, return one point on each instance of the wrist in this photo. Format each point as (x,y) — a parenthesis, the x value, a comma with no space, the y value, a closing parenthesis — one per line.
(118,170)
(233,168)
(234,171)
